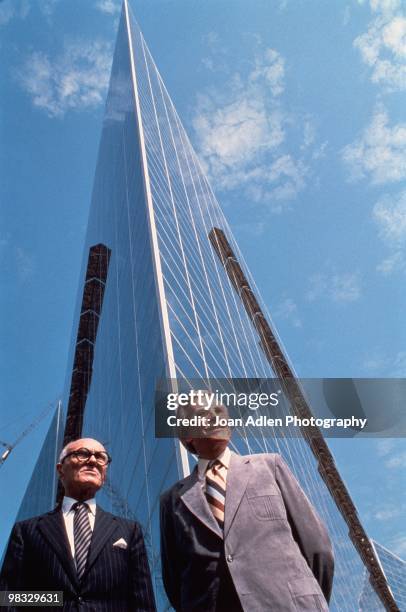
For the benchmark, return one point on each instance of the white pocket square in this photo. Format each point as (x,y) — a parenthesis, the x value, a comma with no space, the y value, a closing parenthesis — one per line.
(121,543)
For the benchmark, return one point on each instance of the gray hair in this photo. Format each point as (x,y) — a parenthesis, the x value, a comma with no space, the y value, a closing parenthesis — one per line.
(64,451)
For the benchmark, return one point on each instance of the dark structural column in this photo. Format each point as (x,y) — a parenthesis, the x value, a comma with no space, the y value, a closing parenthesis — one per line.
(92,302)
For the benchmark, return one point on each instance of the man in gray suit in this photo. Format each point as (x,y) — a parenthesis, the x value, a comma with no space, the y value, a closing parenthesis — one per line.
(239,534)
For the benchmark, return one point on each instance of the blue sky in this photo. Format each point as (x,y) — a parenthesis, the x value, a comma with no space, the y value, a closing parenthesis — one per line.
(296,109)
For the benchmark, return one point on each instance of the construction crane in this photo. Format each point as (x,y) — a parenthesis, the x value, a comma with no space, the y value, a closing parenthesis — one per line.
(23,434)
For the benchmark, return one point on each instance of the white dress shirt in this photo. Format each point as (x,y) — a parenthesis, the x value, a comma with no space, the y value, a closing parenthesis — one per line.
(68,514)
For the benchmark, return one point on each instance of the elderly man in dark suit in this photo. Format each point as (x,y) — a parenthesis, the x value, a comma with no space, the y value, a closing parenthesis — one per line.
(97,559)
(239,533)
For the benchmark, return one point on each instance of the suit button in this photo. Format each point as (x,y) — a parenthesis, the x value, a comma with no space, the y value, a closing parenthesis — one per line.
(229,558)
(80,600)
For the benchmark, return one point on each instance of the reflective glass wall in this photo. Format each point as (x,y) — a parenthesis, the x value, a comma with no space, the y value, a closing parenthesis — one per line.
(169,307)
(40,494)
(129,354)
(210,331)
(395,571)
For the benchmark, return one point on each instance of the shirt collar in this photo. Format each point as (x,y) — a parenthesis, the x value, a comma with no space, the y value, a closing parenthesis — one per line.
(68,502)
(224,457)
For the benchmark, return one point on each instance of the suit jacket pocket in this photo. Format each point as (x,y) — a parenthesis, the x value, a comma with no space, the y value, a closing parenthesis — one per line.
(307,596)
(266,503)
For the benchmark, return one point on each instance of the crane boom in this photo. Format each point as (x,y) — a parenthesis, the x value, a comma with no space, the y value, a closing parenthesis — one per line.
(9,447)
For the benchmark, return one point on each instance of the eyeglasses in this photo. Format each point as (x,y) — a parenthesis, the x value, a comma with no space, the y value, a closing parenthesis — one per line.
(82,455)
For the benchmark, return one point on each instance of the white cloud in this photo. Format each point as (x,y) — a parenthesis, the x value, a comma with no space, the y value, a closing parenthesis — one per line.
(76,79)
(383,46)
(390,214)
(242,135)
(309,134)
(208,63)
(343,287)
(396,461)
(394,263)
(318,150)
(271,67)
(216,61)
(374,364)
(111,7)
(380,152)
(284,179)
(19,9)
(388,513)
(379,363)
(387,7)
(236,132)
(317,287)
(384,447)
(287,309)
(211,39)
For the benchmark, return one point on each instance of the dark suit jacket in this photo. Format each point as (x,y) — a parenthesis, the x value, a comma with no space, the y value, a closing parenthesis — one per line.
(275,546)
(38,557)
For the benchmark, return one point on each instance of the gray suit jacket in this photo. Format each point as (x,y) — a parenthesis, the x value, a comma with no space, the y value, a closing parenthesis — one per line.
(276,547)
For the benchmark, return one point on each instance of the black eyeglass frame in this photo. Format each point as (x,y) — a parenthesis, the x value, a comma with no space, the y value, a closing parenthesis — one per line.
(91,453)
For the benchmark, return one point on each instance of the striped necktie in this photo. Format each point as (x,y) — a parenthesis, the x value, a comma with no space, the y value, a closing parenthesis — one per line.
(216,477)
(82,535)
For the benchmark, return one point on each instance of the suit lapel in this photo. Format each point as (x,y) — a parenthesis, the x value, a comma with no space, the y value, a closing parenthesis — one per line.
(238,474)
(104,526)
(53,530)
(194,499)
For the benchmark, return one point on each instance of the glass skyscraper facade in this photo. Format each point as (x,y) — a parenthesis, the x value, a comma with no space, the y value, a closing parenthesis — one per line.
(170,310)
(395,571)
(40,494)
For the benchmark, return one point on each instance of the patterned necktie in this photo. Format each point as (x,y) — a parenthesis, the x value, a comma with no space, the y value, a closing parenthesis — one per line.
(82,534)
(216,477)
